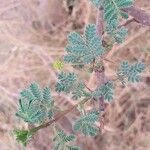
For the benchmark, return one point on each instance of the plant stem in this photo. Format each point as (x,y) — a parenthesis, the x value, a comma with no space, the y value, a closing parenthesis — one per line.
(59,116)
(127,22)
(100,73)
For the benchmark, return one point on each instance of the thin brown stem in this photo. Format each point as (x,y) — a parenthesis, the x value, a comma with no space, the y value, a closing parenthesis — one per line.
(58,117)
(88,87)
(100,73)
(105,59)
(127,22)
(99,23)
(139,16)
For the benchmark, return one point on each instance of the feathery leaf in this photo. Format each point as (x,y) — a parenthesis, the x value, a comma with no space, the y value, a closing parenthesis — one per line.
(62,140)
(86,124)
(84,49)
(69,83)
(106,91)
(35,106)
(131,72)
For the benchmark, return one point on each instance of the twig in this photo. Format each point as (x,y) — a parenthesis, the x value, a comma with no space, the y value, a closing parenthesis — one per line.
(105,59)
(127,22)
(58,117)
(100,73)
(88,88)
(138,14)
(99,23)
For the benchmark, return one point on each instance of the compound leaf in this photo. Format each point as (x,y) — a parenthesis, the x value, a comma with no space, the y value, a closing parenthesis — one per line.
(119,35)
(35,106)
(131,72)
(97,3)
(36,91)
(106,91)
(78,91)
(23,136)
(69,83)
(75,39)
(27,94)
(66,82)
(86,124)
(62,140)
(112,12)
(90,32)
(84,49)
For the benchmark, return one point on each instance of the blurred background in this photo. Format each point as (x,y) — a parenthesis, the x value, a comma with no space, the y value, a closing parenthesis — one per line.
(32,36)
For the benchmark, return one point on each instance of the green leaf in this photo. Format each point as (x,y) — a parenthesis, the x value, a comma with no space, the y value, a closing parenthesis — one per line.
(23,136)
(124,15)
(48,101)
(69,83)
(134,73)
(77,49)
(36,91)
(86,124)
(73,148)
(66,82)
(131,72)
(119,34)
(84,49)
(124,68)
(32,113)
(27,94)
(62,140)
(90,32)
(112,12)
(35,105)
(75,38)
(78,91)
(97,3)
(47,94)
(47,98)
(106,91)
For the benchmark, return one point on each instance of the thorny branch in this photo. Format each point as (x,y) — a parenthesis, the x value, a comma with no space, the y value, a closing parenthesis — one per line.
(58,116)
(100,73)
(139,16)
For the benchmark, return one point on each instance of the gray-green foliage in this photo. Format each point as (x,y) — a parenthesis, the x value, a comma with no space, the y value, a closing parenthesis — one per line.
(69,83)
(106,91)
(112,12)
(97,3)
(63,141)
(86,124)
(119,34)
(84,49)
(65,82)
(131,72)
(35,105)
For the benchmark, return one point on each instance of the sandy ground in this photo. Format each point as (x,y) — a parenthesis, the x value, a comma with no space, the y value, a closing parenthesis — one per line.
(32,37)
